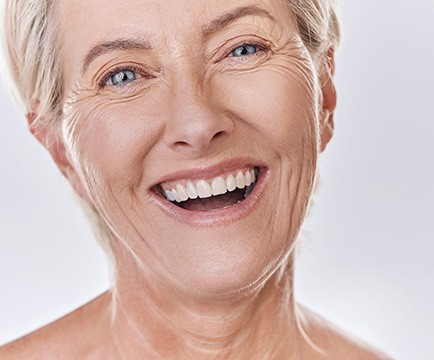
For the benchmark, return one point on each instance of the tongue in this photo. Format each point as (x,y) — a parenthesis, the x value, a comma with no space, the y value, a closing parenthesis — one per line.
(213,202)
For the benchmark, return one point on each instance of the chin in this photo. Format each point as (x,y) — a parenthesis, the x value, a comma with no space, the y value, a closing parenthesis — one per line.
(228,267)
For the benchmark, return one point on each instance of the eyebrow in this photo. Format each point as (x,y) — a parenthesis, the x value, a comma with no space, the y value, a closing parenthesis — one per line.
(230,17)
(207,30)
(115,45)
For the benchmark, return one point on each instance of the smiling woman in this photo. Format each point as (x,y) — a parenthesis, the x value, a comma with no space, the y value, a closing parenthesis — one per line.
(191,132)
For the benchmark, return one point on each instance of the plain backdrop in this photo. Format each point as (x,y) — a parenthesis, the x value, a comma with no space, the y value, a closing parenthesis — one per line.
(366,252)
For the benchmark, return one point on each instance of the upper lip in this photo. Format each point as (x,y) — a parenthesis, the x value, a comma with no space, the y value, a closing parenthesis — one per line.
(197,173)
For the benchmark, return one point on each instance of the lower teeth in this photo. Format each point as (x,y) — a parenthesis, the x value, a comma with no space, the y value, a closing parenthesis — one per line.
(228,206)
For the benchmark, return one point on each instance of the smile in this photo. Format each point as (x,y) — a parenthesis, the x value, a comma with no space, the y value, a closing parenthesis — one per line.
(211,194)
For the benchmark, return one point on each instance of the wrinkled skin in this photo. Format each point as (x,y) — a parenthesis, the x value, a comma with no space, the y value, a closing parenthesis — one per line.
(185,291)
(192,105)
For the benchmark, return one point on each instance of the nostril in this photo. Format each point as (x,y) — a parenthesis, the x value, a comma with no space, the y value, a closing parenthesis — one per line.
(202,142)
(197,132)
(181,144)
(218,135)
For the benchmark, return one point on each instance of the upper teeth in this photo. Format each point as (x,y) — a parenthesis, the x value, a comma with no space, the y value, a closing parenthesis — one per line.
(205,189)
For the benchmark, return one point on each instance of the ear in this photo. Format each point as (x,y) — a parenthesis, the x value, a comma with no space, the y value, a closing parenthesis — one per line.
(328,105)
(52,140)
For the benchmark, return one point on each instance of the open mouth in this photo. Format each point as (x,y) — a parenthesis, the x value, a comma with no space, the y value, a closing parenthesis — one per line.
(213,194)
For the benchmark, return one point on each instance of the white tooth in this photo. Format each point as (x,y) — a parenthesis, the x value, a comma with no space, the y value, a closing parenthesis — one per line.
(230,183)
(175,194)
(240,180)
(191,190)
(252,173)
(169,195)
(182,192)
(203,189)
(248,178)
(218,186)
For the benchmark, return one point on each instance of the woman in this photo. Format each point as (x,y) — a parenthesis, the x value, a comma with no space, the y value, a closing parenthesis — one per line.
(182,126)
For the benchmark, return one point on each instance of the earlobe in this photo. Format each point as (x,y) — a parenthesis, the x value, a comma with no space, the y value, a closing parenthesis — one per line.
(326,130)
(52,141)
(329,98)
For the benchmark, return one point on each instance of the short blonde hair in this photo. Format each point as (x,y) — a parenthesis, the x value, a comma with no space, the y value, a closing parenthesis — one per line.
(318,24)
(34,61)
(32,56)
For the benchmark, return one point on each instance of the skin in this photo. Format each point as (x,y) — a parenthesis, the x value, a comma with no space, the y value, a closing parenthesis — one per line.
(183,291)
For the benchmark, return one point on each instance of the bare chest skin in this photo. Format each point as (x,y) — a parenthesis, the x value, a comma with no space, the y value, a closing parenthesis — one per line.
(82,334)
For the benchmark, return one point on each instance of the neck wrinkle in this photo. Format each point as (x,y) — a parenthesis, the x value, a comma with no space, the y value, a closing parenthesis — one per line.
(159,325)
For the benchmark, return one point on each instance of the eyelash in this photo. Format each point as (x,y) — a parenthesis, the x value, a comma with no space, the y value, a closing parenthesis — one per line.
(137,69)
(260,47)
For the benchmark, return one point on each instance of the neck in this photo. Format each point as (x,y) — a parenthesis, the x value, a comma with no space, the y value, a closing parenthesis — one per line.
(151,321)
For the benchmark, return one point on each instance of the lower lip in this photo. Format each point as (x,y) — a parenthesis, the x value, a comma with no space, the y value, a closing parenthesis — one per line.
(215,217)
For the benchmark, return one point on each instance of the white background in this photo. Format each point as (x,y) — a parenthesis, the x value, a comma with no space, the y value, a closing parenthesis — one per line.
(366,254)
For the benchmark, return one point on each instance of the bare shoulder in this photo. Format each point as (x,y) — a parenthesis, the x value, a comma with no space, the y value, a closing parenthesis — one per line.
(331,342)
(60,339)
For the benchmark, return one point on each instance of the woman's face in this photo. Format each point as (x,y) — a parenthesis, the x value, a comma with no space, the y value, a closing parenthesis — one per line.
(190,95)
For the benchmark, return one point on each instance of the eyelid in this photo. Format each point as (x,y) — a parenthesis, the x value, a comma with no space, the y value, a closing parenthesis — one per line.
(254,40)
(141,71)
(259,46)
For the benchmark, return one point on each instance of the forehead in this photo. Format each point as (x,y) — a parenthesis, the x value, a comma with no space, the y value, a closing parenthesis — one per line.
(124,14)
(92,21)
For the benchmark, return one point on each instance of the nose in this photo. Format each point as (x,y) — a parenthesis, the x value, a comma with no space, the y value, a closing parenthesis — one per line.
(196,124)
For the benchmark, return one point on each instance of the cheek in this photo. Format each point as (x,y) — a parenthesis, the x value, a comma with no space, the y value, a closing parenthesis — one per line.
(111,138)
(110,141)
(277,101)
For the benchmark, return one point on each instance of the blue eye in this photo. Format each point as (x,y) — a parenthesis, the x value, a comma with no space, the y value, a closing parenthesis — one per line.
(244,50)
(122,77)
